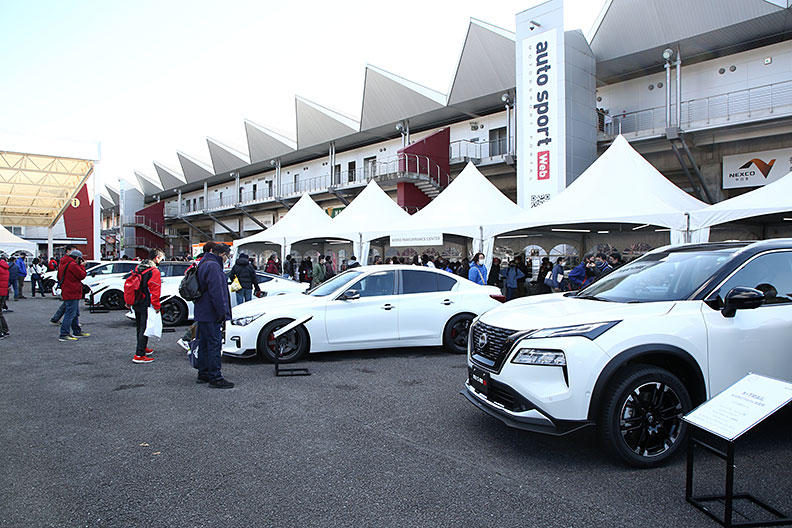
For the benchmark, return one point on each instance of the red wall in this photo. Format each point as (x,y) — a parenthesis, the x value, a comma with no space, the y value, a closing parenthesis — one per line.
(155,213)
(410,196)
(79,222)
(431,157)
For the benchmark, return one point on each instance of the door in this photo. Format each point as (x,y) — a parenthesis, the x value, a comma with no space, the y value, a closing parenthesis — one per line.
(372,319)
(426,303)
(756,340)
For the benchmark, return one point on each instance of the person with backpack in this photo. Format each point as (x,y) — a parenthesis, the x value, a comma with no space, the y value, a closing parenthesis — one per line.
(244,271)
(13,276)
(288,267)
(71,272)
(212,310)
(37,270)
(23,271)
(192,331)
(141,290)
(478,271)
(3,296)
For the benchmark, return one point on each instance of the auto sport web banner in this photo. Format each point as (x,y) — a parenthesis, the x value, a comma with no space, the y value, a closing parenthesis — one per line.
(756,169)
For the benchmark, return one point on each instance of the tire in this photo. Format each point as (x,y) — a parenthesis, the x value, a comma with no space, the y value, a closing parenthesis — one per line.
(48,285)
(296,341)
(174,312)
(456,332)
(640,421)
(113,299)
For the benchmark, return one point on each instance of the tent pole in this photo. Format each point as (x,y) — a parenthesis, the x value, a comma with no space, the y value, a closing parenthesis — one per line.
(687,228)
(50,252)
(481,239)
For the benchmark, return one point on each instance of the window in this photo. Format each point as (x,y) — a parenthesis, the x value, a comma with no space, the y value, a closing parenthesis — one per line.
(254,191)
(123,267)
(351,172)
(337,174)
(497,142)
(200,203)
(417,281)
(296,183)
(261,278)
(174,270)
(771,274)
(193,205)
(269,189)
(370,167)
(103,270)
(240,193)
(376,284)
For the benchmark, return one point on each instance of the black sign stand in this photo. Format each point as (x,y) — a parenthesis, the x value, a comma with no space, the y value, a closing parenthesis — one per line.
(92,306)
(281,343)
(729,500)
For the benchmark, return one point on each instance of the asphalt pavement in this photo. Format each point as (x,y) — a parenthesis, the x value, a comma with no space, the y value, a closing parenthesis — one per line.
(372,438)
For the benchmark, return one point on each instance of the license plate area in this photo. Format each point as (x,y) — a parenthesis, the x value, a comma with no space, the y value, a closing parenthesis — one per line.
(479,379)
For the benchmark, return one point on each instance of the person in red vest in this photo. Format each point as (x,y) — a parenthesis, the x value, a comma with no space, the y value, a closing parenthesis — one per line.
(150,288)
(71,272)
(3,296)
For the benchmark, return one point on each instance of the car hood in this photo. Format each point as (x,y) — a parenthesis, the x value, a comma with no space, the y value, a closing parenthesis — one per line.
(277,303)
(548,311)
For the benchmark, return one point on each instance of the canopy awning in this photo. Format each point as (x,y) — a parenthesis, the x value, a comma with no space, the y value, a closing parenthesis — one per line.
(10,243)
(304,220)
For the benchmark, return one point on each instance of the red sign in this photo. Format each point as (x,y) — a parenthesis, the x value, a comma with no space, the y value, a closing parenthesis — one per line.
(543,165)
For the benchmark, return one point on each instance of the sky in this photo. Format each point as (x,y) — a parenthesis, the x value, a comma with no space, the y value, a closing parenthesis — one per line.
(150,77)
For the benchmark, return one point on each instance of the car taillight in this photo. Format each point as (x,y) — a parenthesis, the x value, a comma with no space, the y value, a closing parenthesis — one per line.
(499,298)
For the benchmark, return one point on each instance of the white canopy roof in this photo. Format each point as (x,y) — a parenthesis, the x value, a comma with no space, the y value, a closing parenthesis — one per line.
(770,199)
(9,243)
(620,187)
(304,220)
(372,214)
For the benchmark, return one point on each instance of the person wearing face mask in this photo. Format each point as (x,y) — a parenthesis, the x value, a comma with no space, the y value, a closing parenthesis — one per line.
(556,280)
(148,295)
(510,276)
(478,271)
(212,310)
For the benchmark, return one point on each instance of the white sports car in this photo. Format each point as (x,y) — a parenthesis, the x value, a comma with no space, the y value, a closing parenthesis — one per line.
(363,308)
(177,311)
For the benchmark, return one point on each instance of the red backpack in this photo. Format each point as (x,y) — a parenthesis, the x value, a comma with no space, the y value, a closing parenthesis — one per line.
(132,290)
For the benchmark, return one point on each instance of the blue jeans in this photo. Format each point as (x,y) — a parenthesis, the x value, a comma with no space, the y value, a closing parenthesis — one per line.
(244,295)
(71,319)
(14,284)
(58,313)
(210,344)
(511,293)
(36,279)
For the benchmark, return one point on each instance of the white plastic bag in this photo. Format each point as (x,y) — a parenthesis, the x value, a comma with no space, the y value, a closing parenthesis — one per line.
(153,324)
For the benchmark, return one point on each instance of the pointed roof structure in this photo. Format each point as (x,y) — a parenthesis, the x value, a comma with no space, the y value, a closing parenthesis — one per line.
(620,187)
(317,124)
(114,195)
(303,221)
(149,185)
(372,214)
(225,158)
(170,178)
(388,98)
(264,144)
(194,171)
(10,243)
(486,64)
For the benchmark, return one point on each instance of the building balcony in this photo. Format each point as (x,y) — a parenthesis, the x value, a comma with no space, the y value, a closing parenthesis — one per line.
(761,103)
(480,152)
(146,223)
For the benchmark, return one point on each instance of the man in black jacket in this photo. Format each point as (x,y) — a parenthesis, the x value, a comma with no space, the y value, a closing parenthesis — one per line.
(243,270)
(212,310)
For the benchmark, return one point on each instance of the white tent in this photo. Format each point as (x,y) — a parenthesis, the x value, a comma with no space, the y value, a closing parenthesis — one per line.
(304,220)
(620,187)
(773,198)
(371,215)
(10,243)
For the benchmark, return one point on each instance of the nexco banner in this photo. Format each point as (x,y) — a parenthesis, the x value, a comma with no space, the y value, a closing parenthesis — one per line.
(756,168)
(541,110)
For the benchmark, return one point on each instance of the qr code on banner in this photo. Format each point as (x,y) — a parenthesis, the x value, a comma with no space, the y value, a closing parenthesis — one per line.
(539,199)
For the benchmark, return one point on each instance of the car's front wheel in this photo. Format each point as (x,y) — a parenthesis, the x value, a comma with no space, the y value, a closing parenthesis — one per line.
(640,420)
(291,346)
(113,299)
(174,312)
(455,334)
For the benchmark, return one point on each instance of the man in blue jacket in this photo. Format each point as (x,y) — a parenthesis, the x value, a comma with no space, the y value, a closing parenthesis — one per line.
(13,276)
(21,279)
(212,310)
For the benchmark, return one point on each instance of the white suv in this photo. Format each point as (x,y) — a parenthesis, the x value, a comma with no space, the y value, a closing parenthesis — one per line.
(635,351)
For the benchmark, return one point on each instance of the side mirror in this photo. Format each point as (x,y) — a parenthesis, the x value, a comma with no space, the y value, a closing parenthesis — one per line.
(93,274)
(741,298)
(350,295)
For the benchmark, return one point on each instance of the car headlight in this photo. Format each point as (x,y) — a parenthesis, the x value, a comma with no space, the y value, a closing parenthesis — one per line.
(244,321)
(536,356)
(590,330)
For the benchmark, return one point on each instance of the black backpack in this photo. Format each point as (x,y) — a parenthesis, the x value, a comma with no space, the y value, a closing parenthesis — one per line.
(190,288)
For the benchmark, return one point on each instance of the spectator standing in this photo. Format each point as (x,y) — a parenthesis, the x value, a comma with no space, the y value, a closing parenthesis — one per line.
(191,332)
(582,274)
(478,271)
(23,272)
(212,310)
(244,271)
(353,263)
(37,269)
(53,264)
(329,270)
(288,267)
(520,262)
(557,281)
(71,272)
(318,276)
(511,275)
(148,295)
(3,296)
(601,260)
(13,278)
(545,268)
(306,271)
(495,278)
(272,266)
(615,260)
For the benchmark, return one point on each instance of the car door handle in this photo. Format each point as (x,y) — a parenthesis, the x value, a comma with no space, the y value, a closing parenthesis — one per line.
(388,307)
(448,302)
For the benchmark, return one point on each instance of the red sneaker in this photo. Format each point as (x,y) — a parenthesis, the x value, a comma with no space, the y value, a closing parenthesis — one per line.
(149,351)
(142,359)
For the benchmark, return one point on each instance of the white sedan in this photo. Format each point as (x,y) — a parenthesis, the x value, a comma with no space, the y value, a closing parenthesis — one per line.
(363,308)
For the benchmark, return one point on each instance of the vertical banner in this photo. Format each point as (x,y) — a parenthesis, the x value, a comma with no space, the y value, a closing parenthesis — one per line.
(541,110)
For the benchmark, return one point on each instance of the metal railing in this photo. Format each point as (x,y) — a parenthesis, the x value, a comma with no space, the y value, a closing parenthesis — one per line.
(144,222)
(732,107)
(477,151)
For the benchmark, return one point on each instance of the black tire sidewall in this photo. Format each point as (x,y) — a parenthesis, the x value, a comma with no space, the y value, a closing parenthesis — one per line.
(448,343)
(264,352)
(622,384)
(183,312)
(118,294)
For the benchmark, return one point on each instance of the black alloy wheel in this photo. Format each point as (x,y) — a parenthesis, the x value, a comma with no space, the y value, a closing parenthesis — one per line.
(641,419)
(174,312)
(291,346)
(113,299)
(48,285)
(455,334)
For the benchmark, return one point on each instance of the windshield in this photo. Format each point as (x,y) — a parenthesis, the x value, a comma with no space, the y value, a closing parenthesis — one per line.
(329,286)
(665,276)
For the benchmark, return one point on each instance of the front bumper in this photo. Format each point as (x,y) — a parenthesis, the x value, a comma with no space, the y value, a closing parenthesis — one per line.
(237,342)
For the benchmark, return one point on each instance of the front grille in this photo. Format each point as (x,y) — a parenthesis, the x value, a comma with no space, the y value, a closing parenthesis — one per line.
(506,396)
(492,353)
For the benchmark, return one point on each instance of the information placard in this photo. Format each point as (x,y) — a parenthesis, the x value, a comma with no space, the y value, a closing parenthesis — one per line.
(737,409)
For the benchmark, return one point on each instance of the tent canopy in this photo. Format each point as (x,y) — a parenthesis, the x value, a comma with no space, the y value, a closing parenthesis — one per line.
(304,220)
(771,199)
(372,214)
(619,187)
(10,243)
